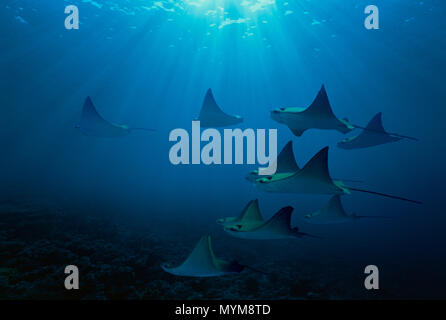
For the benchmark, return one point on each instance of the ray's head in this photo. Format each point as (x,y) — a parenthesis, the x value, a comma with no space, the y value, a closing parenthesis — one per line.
(166,265)
(238,119)
(266,179)
(345,126)
(278,114)
(252,176)
(236,227)
(222,220)
(345,143)
(309,216)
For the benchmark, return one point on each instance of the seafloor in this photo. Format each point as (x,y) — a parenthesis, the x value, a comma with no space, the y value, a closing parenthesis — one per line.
(122,261)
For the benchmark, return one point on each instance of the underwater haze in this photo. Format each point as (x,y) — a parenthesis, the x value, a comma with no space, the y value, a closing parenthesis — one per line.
(118,208)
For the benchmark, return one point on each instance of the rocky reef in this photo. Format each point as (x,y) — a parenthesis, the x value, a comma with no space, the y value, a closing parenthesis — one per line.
(119,261)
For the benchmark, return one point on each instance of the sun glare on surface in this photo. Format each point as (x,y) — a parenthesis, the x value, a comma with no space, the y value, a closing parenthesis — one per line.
(223,13)
(225,7)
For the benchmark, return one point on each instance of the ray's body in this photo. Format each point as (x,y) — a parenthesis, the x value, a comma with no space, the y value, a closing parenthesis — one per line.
(250,224)
(313,178)
(94,125)
(211,116)
(318,115)
(372,135)
(202,262)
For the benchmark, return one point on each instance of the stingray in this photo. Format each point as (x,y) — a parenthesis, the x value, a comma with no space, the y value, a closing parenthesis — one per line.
(93,124)
(313,178)
(318,115)
(250,215)
(333,212)
(250,225)
(286,163)
(212,116)
(202,262)
(372,135)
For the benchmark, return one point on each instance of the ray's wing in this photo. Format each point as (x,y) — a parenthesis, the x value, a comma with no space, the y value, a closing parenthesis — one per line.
(280,222)
(286,162)
(317,167)
(201,261)
(211,115)
(314,178)
(321,105)
(210,107)
(251,212)
(372,135)
(376,124)
(332,212)
(90,116)
(220,264)
(297,132)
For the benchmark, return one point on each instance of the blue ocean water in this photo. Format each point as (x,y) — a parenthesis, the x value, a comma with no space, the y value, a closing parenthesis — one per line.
(150,63)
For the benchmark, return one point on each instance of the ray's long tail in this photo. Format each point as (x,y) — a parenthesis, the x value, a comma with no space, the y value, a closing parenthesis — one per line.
(385,195)
(299,234)
(143,129)
(256,270)
(304,234)
(392,134)
(349,180)
(373,217)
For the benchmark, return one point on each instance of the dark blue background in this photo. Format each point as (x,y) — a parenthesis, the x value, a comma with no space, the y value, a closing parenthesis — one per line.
(151,68)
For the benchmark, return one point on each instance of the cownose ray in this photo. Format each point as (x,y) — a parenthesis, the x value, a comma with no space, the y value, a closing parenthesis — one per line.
(93,124)
(286,163)
(373,134)
(333,212)
(250,224)
(318,115)
(212,116)
(313,178)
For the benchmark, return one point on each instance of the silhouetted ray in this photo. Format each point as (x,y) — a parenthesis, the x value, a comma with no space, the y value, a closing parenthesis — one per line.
(333,212)
(285,163)
(203,263)
(372,135)
(212,116)
(250,215)
(314,178)
(93,124)
(278,227)
(318,115)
